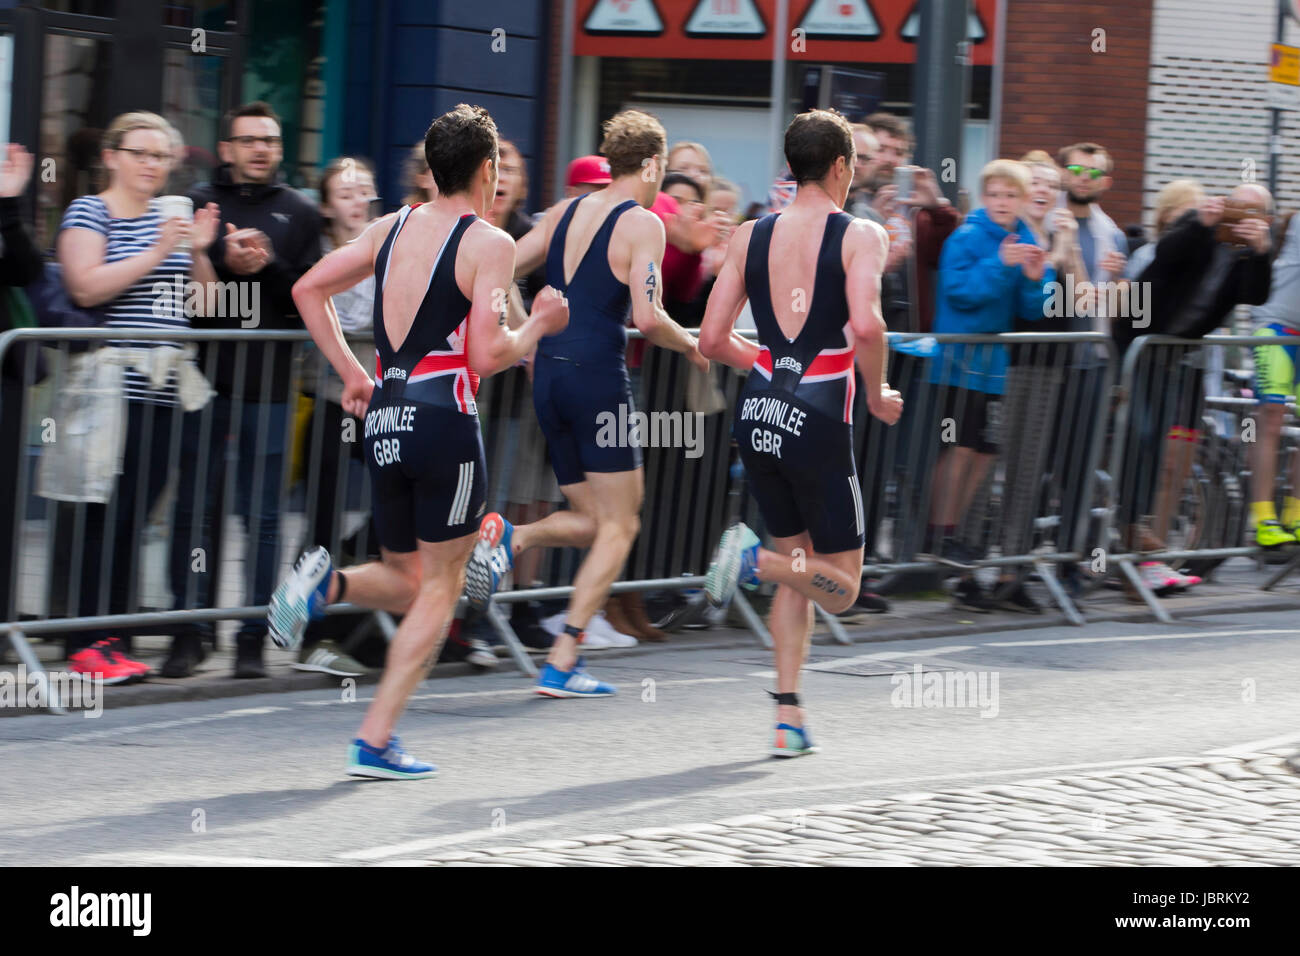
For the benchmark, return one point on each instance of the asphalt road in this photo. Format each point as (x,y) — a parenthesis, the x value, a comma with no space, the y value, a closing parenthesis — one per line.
(260,779)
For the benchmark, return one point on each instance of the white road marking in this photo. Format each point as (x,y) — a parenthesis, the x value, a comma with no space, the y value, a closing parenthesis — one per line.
(164,724)
(1137,637)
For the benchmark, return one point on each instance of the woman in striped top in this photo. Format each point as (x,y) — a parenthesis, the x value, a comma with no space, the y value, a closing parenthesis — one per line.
(117,253)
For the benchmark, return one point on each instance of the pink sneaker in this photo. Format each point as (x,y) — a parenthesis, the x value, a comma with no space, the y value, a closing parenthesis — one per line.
(1158,576)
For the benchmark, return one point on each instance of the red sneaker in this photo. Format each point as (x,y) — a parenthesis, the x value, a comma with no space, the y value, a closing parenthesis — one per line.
(115,646)
(99,660)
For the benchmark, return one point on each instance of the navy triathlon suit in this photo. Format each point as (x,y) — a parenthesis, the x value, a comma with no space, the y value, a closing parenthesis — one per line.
(794,418)
(580,372)
(421,434)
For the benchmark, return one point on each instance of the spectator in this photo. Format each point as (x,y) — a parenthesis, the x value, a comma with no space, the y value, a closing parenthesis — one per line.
(1194,281)
(20,265)
(990,272)
(682,282)
(1277,373)
(270,235)
(347,200)
(861,189)
(693,160)
(114,248)
(907,290)
(418,178)
(586,174)
(1086,173)
(1035,375)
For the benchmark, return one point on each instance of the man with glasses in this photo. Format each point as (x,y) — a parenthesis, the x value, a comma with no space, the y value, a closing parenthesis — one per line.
(1101,247)
(1085,177)
(268,238)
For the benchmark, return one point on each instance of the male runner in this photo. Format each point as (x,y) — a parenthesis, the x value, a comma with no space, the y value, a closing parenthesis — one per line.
(440,324)
(812,277)
(601,250)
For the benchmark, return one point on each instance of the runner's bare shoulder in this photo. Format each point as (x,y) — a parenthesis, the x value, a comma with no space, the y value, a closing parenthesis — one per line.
(864,237)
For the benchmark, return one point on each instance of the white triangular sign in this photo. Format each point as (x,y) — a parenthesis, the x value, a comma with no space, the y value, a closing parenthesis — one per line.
(624,17)
(840,20)
(912,26)
(733,18)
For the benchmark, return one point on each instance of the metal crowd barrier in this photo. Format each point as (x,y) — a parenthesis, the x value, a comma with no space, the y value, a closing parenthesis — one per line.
(1029,489)
(1181,460)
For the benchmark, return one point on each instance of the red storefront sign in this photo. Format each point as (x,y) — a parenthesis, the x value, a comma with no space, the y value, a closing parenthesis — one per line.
(833,31)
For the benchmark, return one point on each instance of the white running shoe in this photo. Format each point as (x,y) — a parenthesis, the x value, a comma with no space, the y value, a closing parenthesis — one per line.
(300,598)
(735,563)
(600,625)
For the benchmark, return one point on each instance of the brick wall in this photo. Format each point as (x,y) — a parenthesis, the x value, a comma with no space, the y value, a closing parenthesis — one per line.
(1057,91)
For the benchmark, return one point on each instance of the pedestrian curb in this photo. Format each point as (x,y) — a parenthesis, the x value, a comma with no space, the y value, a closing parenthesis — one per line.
(216,686)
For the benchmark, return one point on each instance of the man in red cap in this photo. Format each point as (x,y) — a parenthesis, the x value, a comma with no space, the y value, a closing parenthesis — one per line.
(586,175)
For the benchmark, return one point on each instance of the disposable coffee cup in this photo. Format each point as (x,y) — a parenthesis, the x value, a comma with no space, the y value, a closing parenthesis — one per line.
(173,206)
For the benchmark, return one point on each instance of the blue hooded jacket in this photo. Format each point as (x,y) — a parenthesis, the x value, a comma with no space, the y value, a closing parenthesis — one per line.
(979,294)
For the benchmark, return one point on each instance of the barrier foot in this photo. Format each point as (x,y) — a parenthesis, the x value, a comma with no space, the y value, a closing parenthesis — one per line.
(1047,573)
(1286,570)
(834,626)
(19,644)
(511,640)
(1152,601)
(752,620)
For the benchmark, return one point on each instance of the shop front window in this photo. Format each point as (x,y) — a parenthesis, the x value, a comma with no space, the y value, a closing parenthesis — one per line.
(74,114)
(192,103)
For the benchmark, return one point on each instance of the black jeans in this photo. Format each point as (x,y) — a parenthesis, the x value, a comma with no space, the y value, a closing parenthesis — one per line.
(245,447)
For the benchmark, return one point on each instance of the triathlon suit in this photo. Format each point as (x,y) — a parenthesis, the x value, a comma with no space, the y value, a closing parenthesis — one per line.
(580,382)
(422,438)
(794,417)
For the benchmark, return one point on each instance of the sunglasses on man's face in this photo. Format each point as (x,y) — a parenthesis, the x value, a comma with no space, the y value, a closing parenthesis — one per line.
(1093,172)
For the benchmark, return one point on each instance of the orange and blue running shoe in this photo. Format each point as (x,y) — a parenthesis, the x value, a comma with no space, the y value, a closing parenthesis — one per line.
(492,560)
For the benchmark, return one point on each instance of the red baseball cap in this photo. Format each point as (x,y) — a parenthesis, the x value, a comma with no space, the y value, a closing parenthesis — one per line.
(589,169)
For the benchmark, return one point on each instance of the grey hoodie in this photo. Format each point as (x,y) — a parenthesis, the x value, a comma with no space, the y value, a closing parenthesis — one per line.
(1283,305)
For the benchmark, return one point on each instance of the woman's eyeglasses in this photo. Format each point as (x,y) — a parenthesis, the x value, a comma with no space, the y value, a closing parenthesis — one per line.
(146,155)
(1093,172)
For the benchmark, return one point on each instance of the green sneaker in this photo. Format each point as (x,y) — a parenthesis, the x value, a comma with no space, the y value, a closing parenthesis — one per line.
(1271,534)
(792,742)
(328,658)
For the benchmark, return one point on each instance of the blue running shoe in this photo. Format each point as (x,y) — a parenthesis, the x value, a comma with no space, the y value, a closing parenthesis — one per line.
(492,560)
(792,741)
(299,598)
(554,682)
(735,563)
(392,763)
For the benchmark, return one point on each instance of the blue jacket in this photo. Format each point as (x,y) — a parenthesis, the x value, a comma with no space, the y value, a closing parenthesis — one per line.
(978,293)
